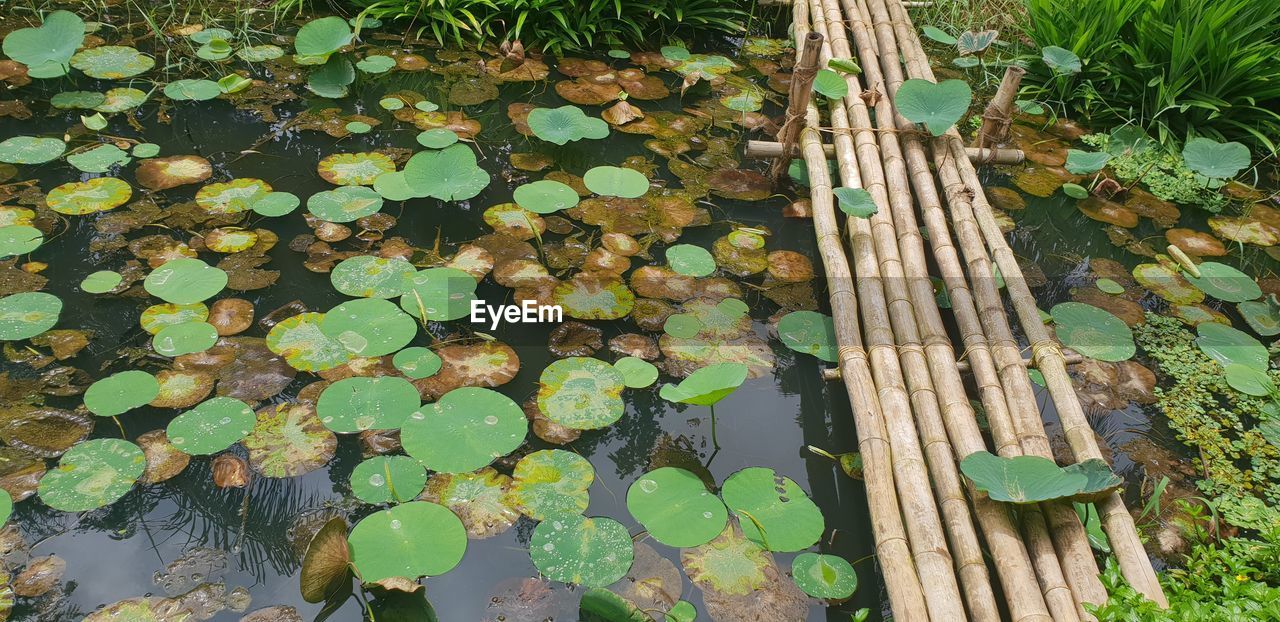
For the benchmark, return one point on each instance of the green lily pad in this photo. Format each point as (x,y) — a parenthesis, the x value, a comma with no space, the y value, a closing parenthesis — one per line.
(388,479)
(565,124)
(1225,282)
(409,540)
(1086,162)
(856,202)
(260,53)
(145,150)
(938,106)
(68,100)
(824,576)
(275,204)
(369,326)
(809,332)
(30,150)
(479,499)
(637,373)
(93,474)
(344,204)
(99,194)
(601,605)
(121,392)
(572,548)
(368,276)
(212,426)
(121,99)
(704,66)
(438,294)
(450,174)
(1263,316)
(357,404)
(112,62)
(676,508)
(192,90)
(549,482)
(706,386)
(465,430)
(185,281)
(184,338)
(581,393)
(1093,332)
(417,362)
(101,282)
(830,84)
(547,196)
(288,440)
(1100,481)
(322,37)
(691,260)
(1228,345)
(27,314)
(1248,380)
(1215,160)
(376,63)
(6,506)
(304,345)
(1021,479)
(100,159)
(773,510)
(47,49)
(1109,286)
(434,138)
(19,240)
(616,181)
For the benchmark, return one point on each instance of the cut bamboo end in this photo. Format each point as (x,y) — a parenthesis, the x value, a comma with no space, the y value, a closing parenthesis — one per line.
(768,150)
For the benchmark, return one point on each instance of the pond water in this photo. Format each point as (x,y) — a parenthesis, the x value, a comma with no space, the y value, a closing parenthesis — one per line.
(126,549)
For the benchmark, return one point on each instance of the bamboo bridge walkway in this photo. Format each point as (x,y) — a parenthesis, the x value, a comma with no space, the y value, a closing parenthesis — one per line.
(946,553)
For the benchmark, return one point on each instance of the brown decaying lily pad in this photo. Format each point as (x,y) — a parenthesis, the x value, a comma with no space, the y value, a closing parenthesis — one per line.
(164,461)
(575,339)
(790,266)
(1196,243)
(484,364)
(1127,310)
(739,184)
(44,431)
(664,283)
(1109,212)
(1005,198)
(1163,213)
(546,429)
(231,315)
(255,373)
(230,471)
(183,387)
(41,575)
(173,171)
(20,472)
(635,344)
(278,613)
(1245,230)
(531,162)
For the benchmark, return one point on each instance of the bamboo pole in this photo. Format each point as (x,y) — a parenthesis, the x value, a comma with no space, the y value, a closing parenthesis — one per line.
(906,594)
(889,323)
(1014,567)
(964,366)
(1076,565)
(949,150)
(768,149)
(797,101)
(998,114)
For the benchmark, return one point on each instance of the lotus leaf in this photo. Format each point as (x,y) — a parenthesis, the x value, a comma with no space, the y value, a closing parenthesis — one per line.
(322,37)
(67,100)
(971,42)
(1249,381)
(773,511)
(936,105)
(173,171)
(192,90)
(184,338)
(47,49)
(376,63)
(121,99)
(233,196)
(1100,481)
(1215,160)
(326,565)
(409,540)
(691,260)
(465,430)
(354,169)
(824,576)
(1093,332)
(809,332)
(676,508)
(856,202)
(436,137)
(303,343)
(547,196)
(449,174)
(565,124)
(830,84)
(275,204)
(121,392)
(19,240)
(1061,60)
(438,294)
(100,159)
(594,297)
(729,564)
(616,181)
(30,149)
(368,276)
(417,362)
(101,282)
(358,404)
(369,326)
(939,35)
(480,500)
(112,62)
(93,474)
(582,393)
(704,67)
(551,482)
(707,386)
(601,605)
(1086,162)
(211,427)
(185,281)
(1263,316)
(636,373)
(388,479)
(591,552)
(1225,283)
(260,53)
(156,317)
(1021,479)
(344,204)
(1227,345)
(288,440)
(99,194)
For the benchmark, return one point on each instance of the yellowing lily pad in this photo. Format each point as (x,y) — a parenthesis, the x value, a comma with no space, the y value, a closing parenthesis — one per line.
(582,393)
(288,440)
(355,169)
(304,345)
(232,197)
(99,194)
(551,482)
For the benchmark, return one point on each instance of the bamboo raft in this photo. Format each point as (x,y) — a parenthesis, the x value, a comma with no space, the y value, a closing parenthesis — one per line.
(947,553)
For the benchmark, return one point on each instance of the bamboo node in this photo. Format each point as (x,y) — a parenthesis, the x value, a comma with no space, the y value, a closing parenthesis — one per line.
(1045,348)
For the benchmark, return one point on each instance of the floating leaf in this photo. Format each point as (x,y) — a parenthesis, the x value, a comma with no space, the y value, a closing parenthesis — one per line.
(121,392)
(636,373)
(417,362)
(112,62)
(354,169)
(344,204)
(173,171)
(232,197)
(773,511)
(211,427)
(824,576)
(388,479)
(830,84)
(937,34)
(1099,480)
(192,90)
(185,281)
(372,277)
(1248,380)
(99,194)
(592,552)
(582,393)
(322,37)
(1225,282)
(676,508)
(93,474)
(369,326)
(809,332)
(1227,345)
(565,124)
(101,282)
(708,385)
(551,482)
(357,404)
(479,499)
(184,338)
(1263,316)
(856,202)
(691,260)
(19,240)
(465,430)
(47,49)
(1093,332)
(594,297)
(67,100)
(547,196)
(27,314)
(376,63)
(275,204)
(1109,286)
(1021,479)
(729,564)
(1215,160)
(938,106)
(288,440)
(616,181)
(30,149)
(439,294)
(1086,162)
(409,540)
(449,174)
(302,342)
(601,605)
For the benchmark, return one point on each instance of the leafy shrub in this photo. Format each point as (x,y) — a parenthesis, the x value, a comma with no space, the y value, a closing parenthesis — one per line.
(556,26)
(1181,68)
